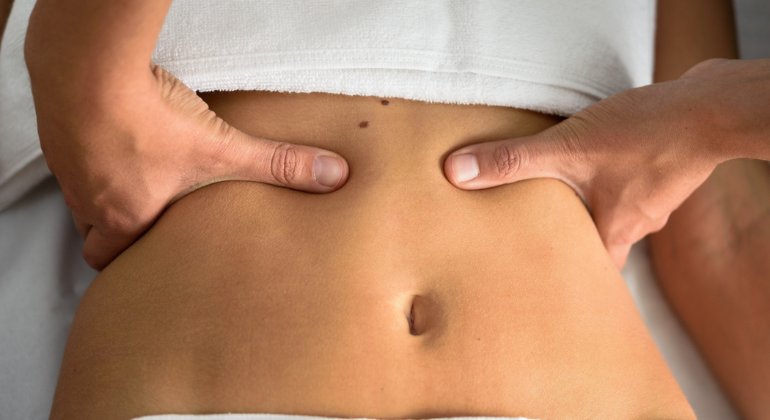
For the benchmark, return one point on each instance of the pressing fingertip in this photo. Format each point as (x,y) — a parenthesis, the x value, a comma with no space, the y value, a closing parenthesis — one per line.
(465,167)
(328,171)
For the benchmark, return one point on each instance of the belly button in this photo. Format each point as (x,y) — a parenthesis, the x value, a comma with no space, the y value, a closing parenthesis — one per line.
(410,321)
(416,316)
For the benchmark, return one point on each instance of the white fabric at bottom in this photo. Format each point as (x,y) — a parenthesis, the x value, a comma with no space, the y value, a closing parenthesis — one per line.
(288,417)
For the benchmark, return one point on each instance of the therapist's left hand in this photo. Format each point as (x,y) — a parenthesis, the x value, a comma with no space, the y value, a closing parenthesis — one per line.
(634,157)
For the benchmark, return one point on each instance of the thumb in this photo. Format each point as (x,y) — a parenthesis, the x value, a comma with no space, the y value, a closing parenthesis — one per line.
(248,158)
(100,249)
(490,164)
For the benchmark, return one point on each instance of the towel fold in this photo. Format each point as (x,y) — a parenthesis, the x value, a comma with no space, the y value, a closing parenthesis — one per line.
(548,56)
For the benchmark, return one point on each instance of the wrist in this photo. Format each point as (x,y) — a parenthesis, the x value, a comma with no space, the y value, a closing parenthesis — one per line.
(731,101)
(86,43)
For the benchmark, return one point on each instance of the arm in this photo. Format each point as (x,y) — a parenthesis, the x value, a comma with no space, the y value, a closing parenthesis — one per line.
(92,41)
(124,138)
(711,258)
(691,31)
(634,157)
(638,155)
(712,263)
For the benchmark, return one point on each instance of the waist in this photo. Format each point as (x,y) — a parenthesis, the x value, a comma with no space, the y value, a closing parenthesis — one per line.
(396,296)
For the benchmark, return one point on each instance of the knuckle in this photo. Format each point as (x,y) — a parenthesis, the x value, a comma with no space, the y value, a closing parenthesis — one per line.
(508,160)
(92,259)
(704,67)
(711,62)
(622,234)
(72,201)
(622,237)
(284,163)
(658,224)
(114,221)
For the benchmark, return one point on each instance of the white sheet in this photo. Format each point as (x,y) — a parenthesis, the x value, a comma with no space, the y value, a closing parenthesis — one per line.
(42,278)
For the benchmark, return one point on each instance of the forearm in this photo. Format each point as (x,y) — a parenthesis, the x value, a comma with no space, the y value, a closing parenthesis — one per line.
(711,258)
(92,42)
(712,264)
(692,31)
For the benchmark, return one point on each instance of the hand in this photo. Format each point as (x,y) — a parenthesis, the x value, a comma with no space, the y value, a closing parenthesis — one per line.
(126,150)
(633,158)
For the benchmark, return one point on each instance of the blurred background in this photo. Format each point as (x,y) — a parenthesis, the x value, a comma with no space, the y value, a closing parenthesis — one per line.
(753,19)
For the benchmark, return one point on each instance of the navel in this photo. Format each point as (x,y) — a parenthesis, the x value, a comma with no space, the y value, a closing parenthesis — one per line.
(417,316)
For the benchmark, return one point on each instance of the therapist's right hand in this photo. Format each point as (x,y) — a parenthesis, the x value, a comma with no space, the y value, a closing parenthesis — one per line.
(123,152)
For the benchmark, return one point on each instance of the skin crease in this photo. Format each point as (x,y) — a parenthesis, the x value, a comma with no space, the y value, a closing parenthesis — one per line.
(250,298)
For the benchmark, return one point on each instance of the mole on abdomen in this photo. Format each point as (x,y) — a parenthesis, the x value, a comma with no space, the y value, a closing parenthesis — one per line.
(363,124)
(385,102)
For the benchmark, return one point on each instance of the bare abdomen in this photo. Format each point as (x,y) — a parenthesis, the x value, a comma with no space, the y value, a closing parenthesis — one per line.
(397,296)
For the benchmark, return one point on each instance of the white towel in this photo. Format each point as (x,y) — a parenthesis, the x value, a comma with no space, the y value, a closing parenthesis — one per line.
(287,417)
(550,56)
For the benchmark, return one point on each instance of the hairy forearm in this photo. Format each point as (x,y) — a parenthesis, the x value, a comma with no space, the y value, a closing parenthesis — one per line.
(89,42)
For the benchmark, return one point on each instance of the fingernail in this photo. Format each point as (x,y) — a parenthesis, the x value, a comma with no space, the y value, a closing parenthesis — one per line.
(465,167)
(327,170)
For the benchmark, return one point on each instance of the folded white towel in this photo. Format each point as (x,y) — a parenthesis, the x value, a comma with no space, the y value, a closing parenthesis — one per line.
(550,56)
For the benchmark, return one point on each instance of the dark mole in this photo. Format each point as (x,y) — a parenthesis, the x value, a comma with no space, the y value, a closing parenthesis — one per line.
(364,124)
(385,102)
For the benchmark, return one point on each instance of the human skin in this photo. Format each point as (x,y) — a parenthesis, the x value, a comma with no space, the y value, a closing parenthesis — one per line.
(711,259)
(665,399)
(102,106)
(398,296)
(636,156)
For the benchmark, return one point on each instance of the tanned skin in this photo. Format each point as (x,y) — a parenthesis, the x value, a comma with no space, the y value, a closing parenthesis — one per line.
(712,259)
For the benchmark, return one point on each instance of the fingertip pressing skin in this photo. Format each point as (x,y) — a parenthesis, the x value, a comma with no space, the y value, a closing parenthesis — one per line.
(329,171)
(462,167)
